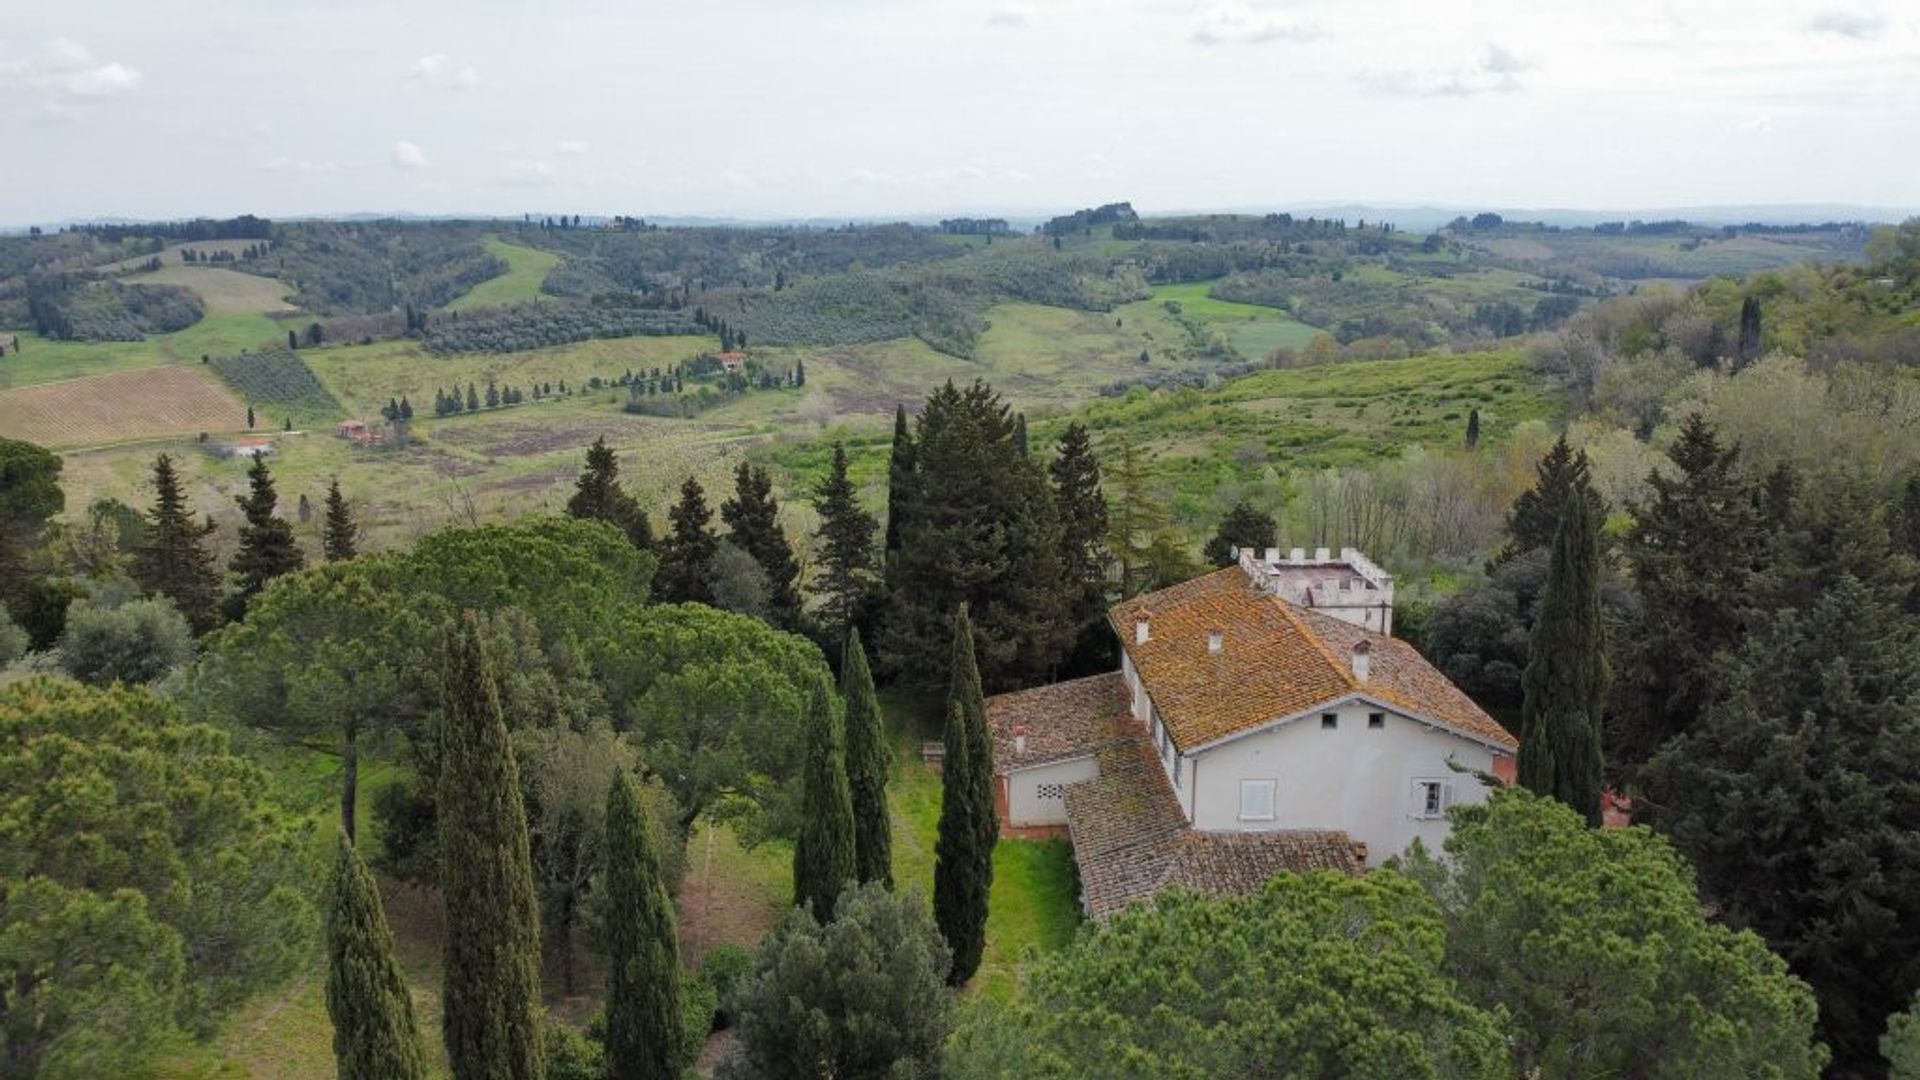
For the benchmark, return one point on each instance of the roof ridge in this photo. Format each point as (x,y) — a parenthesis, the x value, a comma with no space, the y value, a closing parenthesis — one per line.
(1343,672)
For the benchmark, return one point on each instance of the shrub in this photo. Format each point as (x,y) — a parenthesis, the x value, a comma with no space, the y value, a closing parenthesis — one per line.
(725,968)
(137,642)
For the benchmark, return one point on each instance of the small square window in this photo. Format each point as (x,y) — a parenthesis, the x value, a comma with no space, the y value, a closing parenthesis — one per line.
(1431,798)
(1256,800)
(1329,721)
(1376,720)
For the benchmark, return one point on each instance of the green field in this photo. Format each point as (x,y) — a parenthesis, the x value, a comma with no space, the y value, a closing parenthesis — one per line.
(526,269)
(41,360)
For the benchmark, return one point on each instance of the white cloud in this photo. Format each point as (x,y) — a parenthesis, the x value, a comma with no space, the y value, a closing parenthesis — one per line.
(408,155)
(436,69)
(573,146)
(1239,22)
(526,172)
(1759,125)
(1496,72)
(1858,25)
(1010,17)
(64,72)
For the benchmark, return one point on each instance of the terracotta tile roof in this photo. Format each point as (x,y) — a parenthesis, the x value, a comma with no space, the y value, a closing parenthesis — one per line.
(1276,660)
(1131,840)
(1062,721)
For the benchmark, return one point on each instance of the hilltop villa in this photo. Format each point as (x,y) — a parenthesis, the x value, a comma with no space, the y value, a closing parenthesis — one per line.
(1263,719)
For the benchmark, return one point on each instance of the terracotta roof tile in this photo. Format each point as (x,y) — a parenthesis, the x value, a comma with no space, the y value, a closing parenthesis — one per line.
(1062,721)
(1131,840)
(1276,660)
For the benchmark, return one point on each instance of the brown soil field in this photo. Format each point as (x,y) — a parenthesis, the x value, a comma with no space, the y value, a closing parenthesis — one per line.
(125,406)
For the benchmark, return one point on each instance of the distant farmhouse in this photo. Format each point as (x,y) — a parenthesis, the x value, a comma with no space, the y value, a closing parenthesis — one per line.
(1263,720)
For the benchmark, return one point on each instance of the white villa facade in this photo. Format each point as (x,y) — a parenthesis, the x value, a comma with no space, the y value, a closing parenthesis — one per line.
(1263,719)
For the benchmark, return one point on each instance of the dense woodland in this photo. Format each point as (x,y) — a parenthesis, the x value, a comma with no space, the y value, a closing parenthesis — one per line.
(1696,589)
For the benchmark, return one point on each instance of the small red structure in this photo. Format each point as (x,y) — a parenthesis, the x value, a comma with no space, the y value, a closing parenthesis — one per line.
(359,433)
(732,362)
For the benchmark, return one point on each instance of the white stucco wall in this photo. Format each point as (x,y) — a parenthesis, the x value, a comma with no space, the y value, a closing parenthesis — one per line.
(1024,804)
(1353,777)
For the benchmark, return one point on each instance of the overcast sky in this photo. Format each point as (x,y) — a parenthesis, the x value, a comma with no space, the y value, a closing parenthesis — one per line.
(875,107)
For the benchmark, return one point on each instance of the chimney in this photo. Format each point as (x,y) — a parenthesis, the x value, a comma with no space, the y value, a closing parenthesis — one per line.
(1020,739)
(1215,642)
(1362,660)
(1142,631)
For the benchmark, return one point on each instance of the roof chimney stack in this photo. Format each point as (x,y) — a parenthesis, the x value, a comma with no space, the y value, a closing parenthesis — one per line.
(1142,631)
(1020,739)
(1215,642)
(1362,660)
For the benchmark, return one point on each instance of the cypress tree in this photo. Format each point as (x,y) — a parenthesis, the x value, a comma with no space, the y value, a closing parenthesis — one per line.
(375,1036)
(686,553)
(753,524)
(597,496)
(845,541)
(969,826)
(900,463)
(1535,516)
(1082,510)
(868,764)
(491,981)
(1565,681)
(1696,551)
(267,547)
(823,854)
(980,528)
(644,1036)
(1020,436)
(1473,429)
(340,538)
(172,561)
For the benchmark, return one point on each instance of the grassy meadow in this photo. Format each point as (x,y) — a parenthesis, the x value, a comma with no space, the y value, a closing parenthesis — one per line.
(526,269)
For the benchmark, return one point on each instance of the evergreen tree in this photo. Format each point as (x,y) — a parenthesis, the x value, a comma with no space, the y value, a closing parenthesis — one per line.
(753,525)
(799,372)
(900,464)
(685,574)
(1565,681)
(1747,347)
(1535,516)
(1694,550)
(969,826)
(644,1035)
(340,538)
(597,496)
(491,981)
(1473,429)
(869,761)
(1020,436)
(375,1036)
(845,540)
(171,561)
(1150,553)
(981,530)
(823,853)
(406,408)
(267,547)
(473,399)
(249,418)
(1082,509)
(1243,527)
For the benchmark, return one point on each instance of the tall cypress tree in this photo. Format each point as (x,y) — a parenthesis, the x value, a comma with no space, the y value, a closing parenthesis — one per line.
(969,826)
(753,525)
(597,496)
(340,538)
(172,561)
(1695,550)
(686,552)
(644,1036)
(900,466)
(267,547)
(491,981)
(375,1035)
(1082,509)
(823,854)
(845,539)
(1535,516)
(868,764)
(1565,681)
(980,529)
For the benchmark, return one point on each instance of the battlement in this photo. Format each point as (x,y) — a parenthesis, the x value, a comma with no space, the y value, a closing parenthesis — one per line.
(1349,586)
